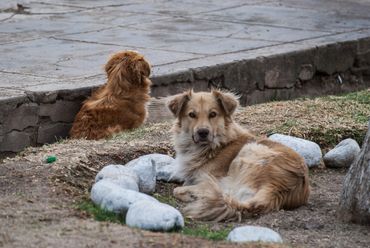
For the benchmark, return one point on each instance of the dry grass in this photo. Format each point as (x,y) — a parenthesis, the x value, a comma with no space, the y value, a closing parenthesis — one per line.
(78,161)
(325,120)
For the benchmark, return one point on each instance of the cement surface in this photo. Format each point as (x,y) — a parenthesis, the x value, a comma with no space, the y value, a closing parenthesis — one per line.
(53,45)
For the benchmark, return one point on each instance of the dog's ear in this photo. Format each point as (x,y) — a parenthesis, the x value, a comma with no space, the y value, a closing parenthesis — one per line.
(111,64)
(116,72)
(227,100)
(117,78)
(138,71)
(177,103)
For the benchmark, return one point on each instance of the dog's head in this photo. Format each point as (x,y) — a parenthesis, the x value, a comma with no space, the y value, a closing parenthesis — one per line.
(128,68)
(203,115)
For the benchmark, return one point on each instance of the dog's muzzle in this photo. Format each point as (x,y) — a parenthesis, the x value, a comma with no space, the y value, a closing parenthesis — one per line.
(202,135)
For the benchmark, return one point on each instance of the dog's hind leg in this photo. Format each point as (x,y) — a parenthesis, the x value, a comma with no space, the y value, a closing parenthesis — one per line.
(265,200)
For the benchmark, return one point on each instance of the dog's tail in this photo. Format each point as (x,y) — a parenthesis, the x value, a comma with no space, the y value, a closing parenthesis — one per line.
(212,203)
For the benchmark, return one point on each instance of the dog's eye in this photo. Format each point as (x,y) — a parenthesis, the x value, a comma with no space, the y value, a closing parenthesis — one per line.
(192,115)
(212,114)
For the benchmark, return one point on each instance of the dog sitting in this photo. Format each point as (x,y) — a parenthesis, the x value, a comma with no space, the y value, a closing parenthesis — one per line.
(118,105)
(228,173)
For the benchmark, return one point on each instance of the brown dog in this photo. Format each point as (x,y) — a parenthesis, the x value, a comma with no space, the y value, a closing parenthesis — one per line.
(230,174)
(119,104)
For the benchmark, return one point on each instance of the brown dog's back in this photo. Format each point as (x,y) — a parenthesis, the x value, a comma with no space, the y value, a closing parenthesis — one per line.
(118,105)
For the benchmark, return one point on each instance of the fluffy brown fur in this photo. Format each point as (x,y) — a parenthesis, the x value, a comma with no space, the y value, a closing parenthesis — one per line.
(119,104)
(230,174)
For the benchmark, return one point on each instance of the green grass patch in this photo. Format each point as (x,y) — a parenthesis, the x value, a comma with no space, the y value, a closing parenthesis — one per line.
(361,117)
(206,231)
(290,123)
(286,127)
(331,137)
(359,100)
(100,214)
(362,97)
(167,199)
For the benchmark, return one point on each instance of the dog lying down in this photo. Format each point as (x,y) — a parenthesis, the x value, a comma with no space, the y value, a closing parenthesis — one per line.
(230,174)
(118,105)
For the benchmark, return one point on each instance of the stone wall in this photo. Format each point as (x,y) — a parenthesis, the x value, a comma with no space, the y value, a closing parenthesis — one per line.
(38,118)
(332,69)
(46,117)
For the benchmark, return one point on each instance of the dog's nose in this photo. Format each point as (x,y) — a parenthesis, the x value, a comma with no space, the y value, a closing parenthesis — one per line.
(203,133)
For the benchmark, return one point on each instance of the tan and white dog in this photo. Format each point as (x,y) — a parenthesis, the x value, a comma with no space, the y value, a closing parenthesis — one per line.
(230,174)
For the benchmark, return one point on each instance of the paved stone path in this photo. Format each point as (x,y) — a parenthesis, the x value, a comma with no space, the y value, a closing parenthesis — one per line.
(50,46)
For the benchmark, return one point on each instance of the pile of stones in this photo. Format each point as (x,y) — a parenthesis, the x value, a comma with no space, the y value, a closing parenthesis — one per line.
(126,189)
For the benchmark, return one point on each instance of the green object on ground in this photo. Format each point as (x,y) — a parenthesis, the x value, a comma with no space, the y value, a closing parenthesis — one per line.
(51,159)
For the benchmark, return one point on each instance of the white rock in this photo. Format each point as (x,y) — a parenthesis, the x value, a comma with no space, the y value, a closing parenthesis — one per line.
(343,154)
(309,150)
(170,174)
(144,167)
(165,167)
(119,174)
(254,233)
(154,216)
(100,189)
(165,173)
(159,159)
(111,197)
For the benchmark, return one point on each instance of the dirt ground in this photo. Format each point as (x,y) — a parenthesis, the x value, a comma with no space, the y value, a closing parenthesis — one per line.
(38,200)
(35,212)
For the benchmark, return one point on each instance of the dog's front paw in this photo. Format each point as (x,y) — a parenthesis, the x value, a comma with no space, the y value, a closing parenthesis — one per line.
(184,194)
